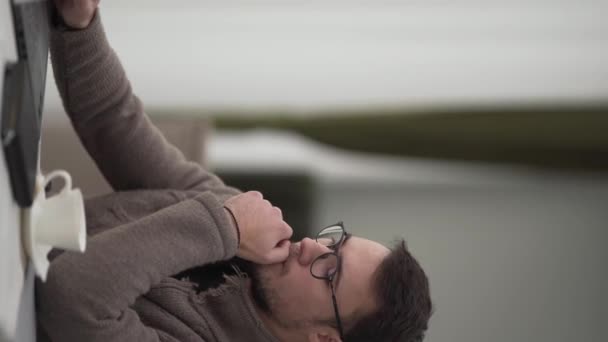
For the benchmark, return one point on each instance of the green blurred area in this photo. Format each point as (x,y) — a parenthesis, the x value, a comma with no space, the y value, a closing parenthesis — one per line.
(568,137)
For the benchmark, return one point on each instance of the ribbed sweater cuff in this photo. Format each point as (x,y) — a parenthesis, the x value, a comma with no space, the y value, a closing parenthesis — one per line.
(235,223)
(228,232)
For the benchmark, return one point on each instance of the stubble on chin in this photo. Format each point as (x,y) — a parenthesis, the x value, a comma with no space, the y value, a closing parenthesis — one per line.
(268,300)
(264,296)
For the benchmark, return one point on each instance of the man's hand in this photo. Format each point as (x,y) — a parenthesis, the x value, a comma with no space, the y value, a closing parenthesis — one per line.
(77,14)
(264,234)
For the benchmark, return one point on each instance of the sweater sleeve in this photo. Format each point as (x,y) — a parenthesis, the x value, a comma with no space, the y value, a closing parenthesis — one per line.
(88,297)
(110,120)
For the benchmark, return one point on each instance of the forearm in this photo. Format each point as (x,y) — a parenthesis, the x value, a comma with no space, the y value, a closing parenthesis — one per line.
(110,120)
(90,294)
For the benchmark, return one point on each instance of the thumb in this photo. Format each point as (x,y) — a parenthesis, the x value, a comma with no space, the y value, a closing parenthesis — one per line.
(280,252)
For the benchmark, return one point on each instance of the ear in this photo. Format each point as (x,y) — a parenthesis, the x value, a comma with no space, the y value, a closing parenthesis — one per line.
(325,335)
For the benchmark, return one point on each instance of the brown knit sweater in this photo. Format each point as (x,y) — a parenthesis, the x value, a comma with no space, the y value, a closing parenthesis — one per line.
(165,217)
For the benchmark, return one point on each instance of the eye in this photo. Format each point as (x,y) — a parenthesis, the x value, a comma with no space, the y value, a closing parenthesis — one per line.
(326,241)
(331,266)
(325,266)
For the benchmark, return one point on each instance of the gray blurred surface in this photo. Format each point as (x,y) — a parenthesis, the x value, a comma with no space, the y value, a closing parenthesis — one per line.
(512,253)
(506,263)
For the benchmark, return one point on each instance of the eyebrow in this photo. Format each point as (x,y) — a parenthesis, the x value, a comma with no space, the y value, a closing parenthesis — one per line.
(348,236)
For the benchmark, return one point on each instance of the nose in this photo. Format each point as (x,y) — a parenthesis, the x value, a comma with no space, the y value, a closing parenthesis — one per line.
(309,250)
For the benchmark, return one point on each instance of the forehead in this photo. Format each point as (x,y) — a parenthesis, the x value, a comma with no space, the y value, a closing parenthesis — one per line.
(360,259)
(361,248)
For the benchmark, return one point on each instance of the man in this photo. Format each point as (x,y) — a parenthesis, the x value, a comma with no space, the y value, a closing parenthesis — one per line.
(155,245)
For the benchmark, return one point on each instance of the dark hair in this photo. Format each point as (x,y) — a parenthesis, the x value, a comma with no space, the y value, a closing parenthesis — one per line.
(402,291)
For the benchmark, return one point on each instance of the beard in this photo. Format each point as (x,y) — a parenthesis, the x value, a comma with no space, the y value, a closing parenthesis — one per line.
(267,298)
(264,296)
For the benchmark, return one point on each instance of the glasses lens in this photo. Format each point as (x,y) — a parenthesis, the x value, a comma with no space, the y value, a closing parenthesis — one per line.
(330,236)
(325,266)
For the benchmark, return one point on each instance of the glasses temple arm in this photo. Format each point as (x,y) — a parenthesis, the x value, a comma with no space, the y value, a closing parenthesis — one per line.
(338,320)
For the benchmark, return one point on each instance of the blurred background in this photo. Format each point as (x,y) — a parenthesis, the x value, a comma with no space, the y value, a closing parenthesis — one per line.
(476,130)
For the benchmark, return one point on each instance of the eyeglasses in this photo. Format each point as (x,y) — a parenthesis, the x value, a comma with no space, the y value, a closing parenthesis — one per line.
(326,266)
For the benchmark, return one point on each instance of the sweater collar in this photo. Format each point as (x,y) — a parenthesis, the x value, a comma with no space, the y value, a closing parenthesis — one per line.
(235,300)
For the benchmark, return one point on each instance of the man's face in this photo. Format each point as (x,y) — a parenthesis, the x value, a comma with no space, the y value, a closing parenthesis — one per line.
(294,298)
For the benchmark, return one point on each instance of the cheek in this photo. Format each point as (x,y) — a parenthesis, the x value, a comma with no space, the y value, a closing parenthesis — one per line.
(300,288)
(306,296)
(298,280)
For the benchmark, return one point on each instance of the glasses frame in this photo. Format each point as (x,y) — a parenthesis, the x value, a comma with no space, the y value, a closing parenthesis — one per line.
(330,277)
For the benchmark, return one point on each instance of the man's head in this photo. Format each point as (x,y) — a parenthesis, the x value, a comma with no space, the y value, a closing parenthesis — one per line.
(381,294)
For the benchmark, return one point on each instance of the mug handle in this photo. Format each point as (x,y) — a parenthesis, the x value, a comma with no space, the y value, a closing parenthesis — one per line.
(67,179)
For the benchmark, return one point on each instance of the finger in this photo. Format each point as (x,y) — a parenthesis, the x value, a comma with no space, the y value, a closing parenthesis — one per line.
(287,231)
(256,194)
(283,243)
(280,252)
(278,213)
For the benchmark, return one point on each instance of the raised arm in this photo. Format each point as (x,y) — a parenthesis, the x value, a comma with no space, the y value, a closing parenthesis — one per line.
(109,119)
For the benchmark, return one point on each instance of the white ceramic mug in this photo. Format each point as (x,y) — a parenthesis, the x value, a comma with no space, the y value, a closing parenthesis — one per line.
(60,219)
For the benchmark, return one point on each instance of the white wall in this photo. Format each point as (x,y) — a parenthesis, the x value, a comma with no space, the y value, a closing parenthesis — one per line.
(330,53)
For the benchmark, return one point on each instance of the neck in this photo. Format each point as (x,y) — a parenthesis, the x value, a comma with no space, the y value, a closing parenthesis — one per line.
(277,330)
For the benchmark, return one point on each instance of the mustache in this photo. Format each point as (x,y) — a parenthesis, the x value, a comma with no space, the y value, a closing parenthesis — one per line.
(294,250)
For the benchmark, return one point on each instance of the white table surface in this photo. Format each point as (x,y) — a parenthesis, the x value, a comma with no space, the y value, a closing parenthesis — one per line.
(13,262)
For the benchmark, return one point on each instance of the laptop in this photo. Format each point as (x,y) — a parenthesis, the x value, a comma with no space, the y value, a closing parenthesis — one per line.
(23,96)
